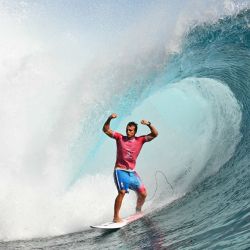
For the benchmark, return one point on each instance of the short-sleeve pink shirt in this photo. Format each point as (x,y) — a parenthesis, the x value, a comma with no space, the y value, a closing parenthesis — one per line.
(128,150)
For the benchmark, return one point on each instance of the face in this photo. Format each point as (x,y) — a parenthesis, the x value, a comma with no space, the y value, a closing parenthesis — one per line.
(130,130)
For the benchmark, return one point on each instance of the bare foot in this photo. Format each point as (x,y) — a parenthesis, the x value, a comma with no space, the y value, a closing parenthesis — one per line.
(117,220)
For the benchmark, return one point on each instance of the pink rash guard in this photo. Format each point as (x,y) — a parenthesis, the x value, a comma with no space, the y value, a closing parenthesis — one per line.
(128,150)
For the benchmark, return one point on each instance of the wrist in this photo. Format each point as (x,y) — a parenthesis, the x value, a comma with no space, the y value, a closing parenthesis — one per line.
(148,124)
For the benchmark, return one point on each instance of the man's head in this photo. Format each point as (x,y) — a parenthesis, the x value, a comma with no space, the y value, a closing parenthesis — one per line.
(131,129)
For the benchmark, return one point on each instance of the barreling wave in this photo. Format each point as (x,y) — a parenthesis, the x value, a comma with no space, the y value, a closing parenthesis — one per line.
(209,81)
(198,98)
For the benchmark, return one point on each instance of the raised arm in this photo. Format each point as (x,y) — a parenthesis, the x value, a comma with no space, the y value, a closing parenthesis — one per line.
(106,127)
(154,132)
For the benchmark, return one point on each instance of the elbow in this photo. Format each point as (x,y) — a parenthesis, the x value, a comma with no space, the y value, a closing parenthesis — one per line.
(105,130)
(156,133)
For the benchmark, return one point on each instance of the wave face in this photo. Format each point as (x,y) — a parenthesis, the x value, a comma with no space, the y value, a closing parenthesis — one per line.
(55,160)
(217,210)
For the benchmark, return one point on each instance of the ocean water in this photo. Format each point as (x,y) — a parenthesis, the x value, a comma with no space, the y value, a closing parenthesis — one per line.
(192,83)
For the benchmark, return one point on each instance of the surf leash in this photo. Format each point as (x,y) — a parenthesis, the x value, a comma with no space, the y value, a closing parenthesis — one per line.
(156,182)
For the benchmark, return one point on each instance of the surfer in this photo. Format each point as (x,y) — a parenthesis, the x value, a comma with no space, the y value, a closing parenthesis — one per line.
(128,149)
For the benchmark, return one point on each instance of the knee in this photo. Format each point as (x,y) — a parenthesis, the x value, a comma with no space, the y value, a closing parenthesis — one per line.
(143,195)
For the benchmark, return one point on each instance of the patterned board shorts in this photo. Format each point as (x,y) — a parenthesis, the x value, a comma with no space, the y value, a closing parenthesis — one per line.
(125,180)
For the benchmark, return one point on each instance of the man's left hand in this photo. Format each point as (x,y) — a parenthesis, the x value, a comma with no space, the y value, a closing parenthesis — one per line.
(144,122)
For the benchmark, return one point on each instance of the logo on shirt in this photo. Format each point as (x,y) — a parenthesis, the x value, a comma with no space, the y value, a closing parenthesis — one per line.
(129,155)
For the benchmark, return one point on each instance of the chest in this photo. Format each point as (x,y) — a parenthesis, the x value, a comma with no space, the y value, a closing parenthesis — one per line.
(134,145)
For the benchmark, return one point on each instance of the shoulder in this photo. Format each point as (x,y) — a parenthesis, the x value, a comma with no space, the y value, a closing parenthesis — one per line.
(142,138)
(145,138)
(117,135)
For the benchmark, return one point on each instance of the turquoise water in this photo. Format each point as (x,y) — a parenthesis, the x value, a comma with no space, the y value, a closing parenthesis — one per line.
(199,100)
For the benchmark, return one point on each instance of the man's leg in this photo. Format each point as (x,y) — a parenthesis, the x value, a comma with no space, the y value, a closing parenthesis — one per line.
(141,196)
(117,207)
(140,190)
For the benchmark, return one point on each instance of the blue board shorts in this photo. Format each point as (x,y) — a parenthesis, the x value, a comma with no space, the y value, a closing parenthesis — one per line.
(125,180)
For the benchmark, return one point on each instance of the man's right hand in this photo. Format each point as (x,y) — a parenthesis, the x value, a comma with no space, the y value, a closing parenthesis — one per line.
(106,127)
(113,116)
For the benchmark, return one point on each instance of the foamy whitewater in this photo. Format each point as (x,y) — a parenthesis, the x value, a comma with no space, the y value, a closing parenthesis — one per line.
(65,66)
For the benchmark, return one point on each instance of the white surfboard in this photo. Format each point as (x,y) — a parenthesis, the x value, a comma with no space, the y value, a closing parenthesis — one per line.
(118,225)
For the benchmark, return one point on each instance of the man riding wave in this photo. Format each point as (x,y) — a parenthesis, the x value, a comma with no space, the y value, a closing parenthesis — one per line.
(128,149)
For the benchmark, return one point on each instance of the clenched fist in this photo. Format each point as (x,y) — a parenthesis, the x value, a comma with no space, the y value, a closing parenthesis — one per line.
(145,122)
(113,116)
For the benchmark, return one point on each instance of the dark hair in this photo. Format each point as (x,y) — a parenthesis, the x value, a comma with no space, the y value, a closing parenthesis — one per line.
(133,124)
